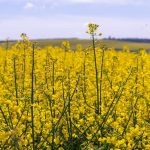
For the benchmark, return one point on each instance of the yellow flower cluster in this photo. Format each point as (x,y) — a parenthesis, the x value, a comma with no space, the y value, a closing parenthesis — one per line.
(93,29)
(48,98)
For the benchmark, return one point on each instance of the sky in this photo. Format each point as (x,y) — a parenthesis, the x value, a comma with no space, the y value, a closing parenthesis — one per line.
(69,18)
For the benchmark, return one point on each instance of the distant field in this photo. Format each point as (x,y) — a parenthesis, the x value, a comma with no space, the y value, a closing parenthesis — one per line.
(116,44)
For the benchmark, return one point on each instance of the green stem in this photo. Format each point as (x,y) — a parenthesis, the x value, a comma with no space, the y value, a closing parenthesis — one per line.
(101,77)
(97,104)
(32,98)
(15,80)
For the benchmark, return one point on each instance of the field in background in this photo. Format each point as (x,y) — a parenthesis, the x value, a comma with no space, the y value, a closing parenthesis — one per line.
(116,44)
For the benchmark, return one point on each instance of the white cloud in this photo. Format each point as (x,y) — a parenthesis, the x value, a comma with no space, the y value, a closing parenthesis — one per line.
(72,26)
(112,2)
(108,2)
(82,1)
(29,5)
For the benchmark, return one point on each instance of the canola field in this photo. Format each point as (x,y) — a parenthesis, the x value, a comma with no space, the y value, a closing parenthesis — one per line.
(89,99)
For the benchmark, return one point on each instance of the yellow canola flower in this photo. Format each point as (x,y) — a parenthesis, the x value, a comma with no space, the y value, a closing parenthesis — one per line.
(66,97)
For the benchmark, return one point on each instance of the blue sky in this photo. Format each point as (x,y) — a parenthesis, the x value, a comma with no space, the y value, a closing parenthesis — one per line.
(68,18)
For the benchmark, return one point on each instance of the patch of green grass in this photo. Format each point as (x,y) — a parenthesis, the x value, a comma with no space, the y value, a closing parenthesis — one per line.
(116,44)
